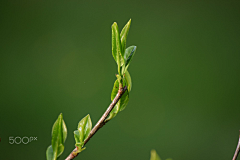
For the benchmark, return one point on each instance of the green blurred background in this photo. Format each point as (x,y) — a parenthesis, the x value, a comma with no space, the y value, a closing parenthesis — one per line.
(56,58)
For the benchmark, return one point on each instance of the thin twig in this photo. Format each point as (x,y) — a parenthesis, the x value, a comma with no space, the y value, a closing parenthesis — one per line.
(101,121)
(237,149)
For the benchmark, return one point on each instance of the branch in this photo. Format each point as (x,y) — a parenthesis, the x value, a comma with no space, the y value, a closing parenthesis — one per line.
(101,121)
(237,149)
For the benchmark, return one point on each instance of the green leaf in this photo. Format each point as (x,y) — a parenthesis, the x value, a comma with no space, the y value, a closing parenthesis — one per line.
(124,34)
(78,144)
(128,55)
(64,131)
(59,135)
(115,110)
(115,90)
(76,136)
(116,46)
(84,128)
(154,155)
(122,103)
(56,133)
(116,87)
(124,100)
(128,80)
(49,153)
(113,113)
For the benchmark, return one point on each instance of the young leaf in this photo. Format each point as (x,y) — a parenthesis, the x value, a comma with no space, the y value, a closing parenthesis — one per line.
(49,153)
(76,136)
(124,34)
(116,46)
(84,128)
(116,87)
(64,131)
(113,113)
(122,103)
(154,155)
(115,90)
(128,55)
(59,135)
(115,110)
(128,80)
(78,144)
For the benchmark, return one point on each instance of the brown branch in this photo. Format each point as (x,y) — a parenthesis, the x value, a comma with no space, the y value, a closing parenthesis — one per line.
(101,121)
(237,149)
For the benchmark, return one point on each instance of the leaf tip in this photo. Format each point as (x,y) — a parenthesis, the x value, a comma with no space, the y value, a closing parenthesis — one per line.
(88,116)
(114,24)
(130,20)
(60,116)
(153,151)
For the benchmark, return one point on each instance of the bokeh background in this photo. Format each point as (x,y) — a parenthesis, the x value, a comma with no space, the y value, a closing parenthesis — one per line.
(185,102)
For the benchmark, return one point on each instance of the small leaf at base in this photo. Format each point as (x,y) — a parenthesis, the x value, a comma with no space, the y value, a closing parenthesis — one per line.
(49,153)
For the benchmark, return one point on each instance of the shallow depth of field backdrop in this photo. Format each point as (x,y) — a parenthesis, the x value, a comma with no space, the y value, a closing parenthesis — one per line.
(55,57)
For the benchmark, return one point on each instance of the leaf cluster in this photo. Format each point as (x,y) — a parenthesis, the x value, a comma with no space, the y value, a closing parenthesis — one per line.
(123,57)
(82,133)
(59,136)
